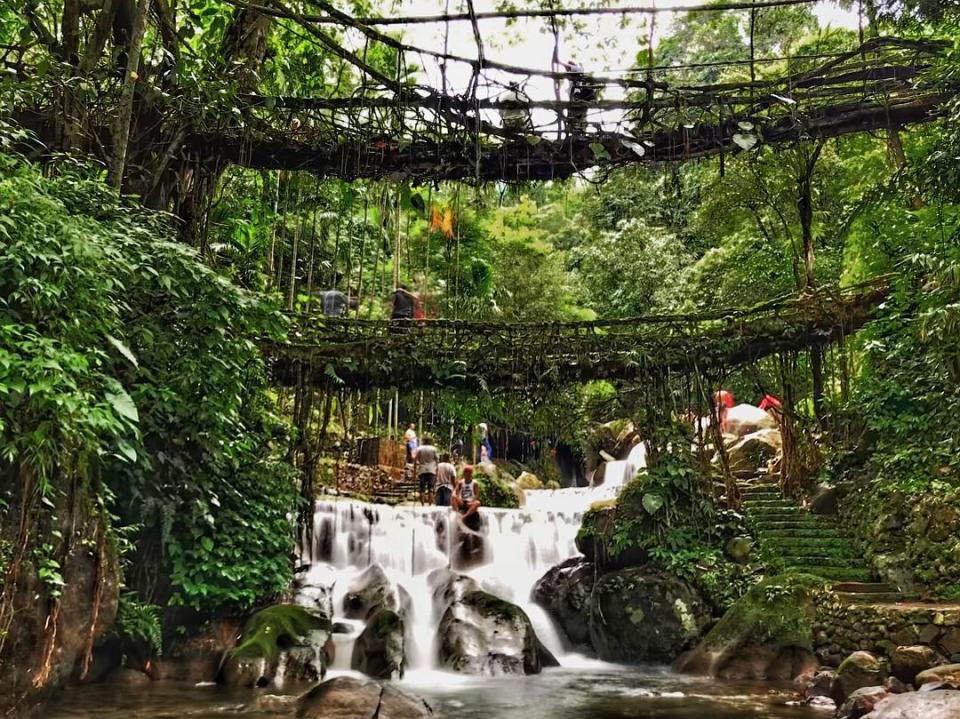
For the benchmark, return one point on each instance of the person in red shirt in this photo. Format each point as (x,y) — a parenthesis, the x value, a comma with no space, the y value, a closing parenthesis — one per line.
(770,404)
(723,401)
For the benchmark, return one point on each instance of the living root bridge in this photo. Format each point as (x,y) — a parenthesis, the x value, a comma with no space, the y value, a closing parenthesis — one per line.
(478,355)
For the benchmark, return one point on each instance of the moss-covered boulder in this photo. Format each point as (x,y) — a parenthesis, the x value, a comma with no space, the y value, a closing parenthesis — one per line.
(528,480)
(859,670)
(564,592)
(766,634)
(379,651)
(637,615)
(495,489)
(482,634)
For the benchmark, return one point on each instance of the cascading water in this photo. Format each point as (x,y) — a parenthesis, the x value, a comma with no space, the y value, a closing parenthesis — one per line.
(516,548)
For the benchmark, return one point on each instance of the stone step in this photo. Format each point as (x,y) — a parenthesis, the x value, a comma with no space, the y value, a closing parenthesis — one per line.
(813,554)
(844,573)
(819,560)
(863,587)
(827,545)
(776,535)
(755,505)
(803,520)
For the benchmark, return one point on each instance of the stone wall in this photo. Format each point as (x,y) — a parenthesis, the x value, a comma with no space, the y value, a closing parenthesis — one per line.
(841,628)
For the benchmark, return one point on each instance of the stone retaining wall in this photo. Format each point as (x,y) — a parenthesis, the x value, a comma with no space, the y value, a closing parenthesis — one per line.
(841,628)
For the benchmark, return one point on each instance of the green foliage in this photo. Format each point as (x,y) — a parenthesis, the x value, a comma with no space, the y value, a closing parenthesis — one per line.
(124,359)
(139,622)
(270,629)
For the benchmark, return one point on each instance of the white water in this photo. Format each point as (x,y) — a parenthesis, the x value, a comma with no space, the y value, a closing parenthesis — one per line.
(409,542)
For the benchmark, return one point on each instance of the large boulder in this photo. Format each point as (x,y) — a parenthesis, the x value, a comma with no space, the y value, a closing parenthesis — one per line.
(636,615)
(755,451)
(368,593)
(860,669)
(481,634)
(379,650)
(350,698)
(907,662)
(564,592)
(746,419)
(947,674)
(766,634)
(919,705)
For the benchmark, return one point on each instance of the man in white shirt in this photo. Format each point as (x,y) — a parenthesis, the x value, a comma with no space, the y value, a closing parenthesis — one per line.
(446,478)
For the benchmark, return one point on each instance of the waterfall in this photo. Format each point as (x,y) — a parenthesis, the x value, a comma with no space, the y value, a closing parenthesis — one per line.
(408,542)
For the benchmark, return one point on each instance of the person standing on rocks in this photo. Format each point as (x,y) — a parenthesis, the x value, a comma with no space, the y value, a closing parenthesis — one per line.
(446,478)
(427,459)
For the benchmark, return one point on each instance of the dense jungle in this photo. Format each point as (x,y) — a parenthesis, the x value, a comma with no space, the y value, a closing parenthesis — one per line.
(466,359)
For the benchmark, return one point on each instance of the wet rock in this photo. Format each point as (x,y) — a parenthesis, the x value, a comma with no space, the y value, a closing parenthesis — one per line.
(907,662)
(895,686)
(379,650)
(861,702)
(820,684)
(314,591)
(481,634)
(754,451)
(637,616)
(448,587)
(469,547)
(860,669)
(919,705)
(368,593)
(948,674)
(822,703)
(564,592)
(305,663)
(349,698)
(248,672)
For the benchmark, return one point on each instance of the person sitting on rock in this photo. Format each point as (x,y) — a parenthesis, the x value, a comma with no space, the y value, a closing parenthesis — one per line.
(466,495)
(427,459)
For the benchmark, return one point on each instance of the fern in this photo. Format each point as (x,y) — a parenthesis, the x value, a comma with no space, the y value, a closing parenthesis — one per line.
(140,622)
(266,629)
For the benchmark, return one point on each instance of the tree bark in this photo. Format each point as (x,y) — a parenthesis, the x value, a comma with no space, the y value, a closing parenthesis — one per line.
(121,129)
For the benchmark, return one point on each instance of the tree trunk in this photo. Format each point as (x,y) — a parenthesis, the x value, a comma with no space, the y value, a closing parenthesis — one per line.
(121,128)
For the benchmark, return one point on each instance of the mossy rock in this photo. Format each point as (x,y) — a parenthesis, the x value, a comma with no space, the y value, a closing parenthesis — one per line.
(495,491)
(638,615)
(275,628)
(595,539)
(528,480)
(766,634)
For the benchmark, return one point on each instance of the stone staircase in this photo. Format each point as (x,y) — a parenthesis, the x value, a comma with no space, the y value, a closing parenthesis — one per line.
(794,540)
(403,491)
